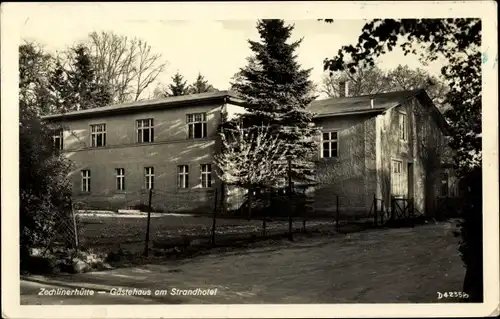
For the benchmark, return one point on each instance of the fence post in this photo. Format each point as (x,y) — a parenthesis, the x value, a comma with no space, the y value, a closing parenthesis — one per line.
(75,228)
(382,204)
(270,200)
(337,214)
(146,247)
(305,217)
(249,202)
(393,208)
(375,211)
(290,235)
(214,218)
(264,226)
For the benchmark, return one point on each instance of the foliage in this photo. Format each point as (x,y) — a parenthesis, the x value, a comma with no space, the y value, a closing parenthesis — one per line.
(404,78)
(52,85)
(201,86)
(85,90)
(178,87)
(35,66)
(458,42)
(251,158)
(238,79)
(471,229)
(364,81)
(127,66)
(276,92)
(44,188)
(372,80)
(45,191)
(65,260)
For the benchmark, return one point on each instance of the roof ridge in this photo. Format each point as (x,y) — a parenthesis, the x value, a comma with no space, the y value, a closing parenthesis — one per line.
(370,95)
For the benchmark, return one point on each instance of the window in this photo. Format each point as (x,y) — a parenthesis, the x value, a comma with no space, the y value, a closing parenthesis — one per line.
(444,185)
(453,183)
(98,135)
(402,126)
(120,179)
(183,176)
(397,167)
(197,125)
(57,139)
(145,131)
(149,174)
(397,181)
(206,175)
(86,181)
(329,144)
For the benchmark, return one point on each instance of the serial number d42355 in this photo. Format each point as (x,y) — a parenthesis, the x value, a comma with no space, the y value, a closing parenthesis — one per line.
(452,294)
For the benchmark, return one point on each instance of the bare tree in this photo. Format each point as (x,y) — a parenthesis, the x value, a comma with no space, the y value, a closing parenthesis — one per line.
(404,78)
(372,80)
(368,80)
(127,66)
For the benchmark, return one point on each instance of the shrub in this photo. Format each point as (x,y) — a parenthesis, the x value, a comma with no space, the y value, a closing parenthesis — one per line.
(471,230)
(45,192)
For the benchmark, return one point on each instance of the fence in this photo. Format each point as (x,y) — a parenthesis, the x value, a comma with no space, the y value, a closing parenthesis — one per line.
(60,230)
(379,214)
(263,215)
(147,226)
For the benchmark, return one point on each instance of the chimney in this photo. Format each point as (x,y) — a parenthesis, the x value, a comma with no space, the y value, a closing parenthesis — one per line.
(371,103)
(343,88)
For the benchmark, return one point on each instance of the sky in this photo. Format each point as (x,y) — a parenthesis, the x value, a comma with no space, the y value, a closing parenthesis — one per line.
(216,48)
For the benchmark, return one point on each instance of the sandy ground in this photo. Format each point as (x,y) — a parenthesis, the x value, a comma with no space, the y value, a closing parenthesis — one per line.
(377,266)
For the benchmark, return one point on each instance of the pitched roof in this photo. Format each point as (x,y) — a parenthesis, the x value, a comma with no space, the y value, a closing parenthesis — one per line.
(322,108)
(360,104)
(145,105)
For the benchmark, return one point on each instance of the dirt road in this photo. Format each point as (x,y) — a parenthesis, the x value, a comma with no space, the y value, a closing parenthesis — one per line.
(379,266)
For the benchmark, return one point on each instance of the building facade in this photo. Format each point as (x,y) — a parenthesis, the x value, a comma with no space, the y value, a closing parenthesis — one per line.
(390,145)
(120,152)
(369,146)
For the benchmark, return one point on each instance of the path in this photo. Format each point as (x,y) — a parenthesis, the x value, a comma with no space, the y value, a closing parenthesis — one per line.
(379,266)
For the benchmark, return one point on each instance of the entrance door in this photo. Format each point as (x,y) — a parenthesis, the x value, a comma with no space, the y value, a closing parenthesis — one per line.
(410,180)
(398,182)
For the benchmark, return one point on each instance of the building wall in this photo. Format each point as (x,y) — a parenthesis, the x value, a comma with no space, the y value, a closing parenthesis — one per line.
(171,147)
(392,148)
(352,175)
(423,148)
(430,148)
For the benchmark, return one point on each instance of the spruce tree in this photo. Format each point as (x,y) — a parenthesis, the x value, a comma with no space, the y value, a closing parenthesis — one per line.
(277,91)
(86,92)
(201,86)
(178,87)
(60,89)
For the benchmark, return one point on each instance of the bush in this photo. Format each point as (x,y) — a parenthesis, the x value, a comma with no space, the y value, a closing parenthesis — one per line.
(471,230)
(45,192)
(64,260)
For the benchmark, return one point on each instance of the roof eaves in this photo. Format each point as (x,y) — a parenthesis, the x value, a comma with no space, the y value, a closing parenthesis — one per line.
(410,96)
(346,113)
(125,108)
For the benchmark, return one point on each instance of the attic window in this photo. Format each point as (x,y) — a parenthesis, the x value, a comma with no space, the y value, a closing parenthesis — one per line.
(403,135)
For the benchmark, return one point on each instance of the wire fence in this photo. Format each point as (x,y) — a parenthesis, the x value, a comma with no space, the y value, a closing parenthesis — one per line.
(147,223)
(60,230)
